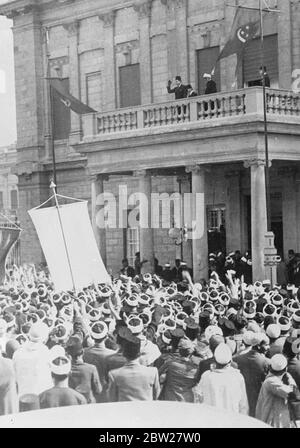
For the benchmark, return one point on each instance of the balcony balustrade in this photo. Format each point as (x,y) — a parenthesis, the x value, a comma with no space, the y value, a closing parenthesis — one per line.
(200,109)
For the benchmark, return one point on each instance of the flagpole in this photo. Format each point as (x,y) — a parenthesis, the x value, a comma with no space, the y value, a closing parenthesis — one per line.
(267,173)
(53,186)
(51,112)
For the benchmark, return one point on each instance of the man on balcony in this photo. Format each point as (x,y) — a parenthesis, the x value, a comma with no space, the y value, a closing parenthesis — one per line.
(180,90)
(266,76)
(211,86)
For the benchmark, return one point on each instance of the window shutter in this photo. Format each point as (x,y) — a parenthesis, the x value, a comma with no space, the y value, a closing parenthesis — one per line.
(251,59)
(130,91)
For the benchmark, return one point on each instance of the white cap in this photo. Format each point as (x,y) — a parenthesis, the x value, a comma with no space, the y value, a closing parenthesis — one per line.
(223,354)
(207,75)
(38,332)
(212,330)
(253,326)
(99,330)
(278,362)
(56,351)
(135,329)
(273,331)
(248,337)
(63,367)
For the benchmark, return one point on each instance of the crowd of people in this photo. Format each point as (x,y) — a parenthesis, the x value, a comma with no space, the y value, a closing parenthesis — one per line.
(222,342)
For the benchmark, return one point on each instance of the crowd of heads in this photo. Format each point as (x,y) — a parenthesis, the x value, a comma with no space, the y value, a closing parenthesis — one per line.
(219,317)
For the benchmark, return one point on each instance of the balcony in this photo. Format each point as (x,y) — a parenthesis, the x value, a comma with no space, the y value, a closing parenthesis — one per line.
(228,125)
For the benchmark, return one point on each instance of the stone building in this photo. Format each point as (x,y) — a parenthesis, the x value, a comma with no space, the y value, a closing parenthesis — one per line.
(117,56)
(9,202)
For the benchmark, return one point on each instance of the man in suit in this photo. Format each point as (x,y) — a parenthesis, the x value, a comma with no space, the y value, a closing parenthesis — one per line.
(133,382)
(263,73)
(180,90)
(254,367)
(98,354)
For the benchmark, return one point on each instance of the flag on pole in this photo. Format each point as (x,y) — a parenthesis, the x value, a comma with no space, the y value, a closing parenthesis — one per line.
(245,27)
(67,99)
(8,236)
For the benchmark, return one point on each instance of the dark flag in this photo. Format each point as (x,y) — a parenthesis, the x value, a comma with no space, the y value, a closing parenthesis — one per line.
(245,27)
(8,236)
(67,99)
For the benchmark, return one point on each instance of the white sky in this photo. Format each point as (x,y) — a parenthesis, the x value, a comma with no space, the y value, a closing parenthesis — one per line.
(7,84)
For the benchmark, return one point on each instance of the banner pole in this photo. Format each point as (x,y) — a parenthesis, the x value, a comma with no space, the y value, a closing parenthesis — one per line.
(267,173)
(52,185)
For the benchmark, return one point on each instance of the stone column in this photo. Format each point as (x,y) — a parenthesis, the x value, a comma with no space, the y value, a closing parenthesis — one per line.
(143,8)
(74,82)
(186,218)
(146,231)
(233,211)
(97,188)
(199,223)
(289,209)
(258,216)
(296,35)
(182,39)
(109,60)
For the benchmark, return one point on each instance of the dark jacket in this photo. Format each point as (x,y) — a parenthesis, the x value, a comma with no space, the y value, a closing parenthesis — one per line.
(180,91)
(211,87)
(193,93)
(254,368)
(84,379)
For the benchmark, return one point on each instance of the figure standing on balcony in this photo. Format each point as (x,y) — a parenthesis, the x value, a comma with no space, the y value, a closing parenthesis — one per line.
(180,89)
(211,86)
(266,76)
(190,91)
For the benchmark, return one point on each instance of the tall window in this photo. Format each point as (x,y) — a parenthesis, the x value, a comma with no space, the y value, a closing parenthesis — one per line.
(215,217)
(251,60)
(216,227)
(132,244)
(61,115)
(206,61)
(14,199)
(130,90)
(94,94)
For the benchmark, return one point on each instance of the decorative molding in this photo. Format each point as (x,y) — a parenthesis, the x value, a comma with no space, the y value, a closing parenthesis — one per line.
(72,28)
(256,162)
(11,13)
(143,8)
(140,173)
(197,169)
(127,47)
(108,18)
(59,62)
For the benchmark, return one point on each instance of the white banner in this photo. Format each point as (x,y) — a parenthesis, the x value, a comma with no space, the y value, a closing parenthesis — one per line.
(85,260)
